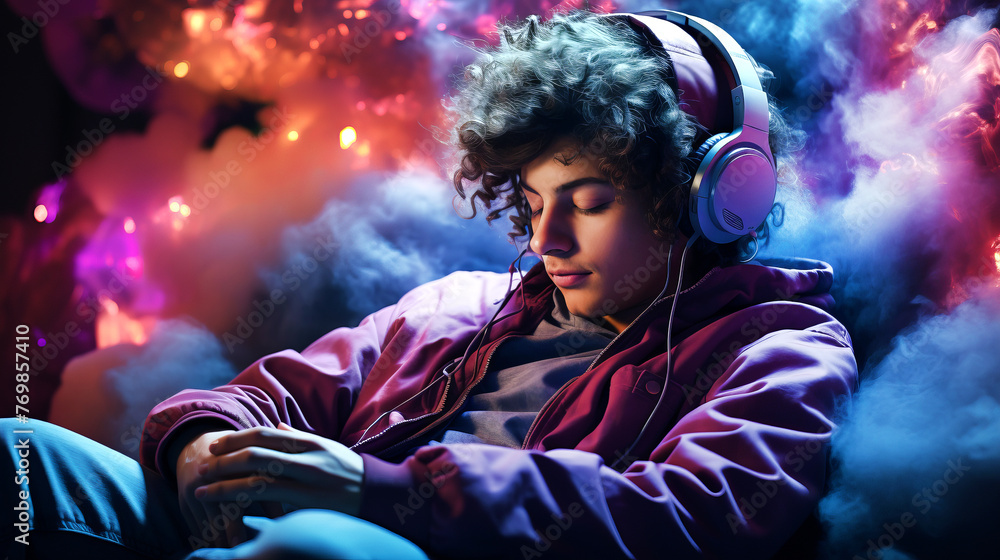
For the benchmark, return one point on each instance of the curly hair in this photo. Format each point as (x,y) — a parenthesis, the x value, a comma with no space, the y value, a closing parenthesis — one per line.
(598,81)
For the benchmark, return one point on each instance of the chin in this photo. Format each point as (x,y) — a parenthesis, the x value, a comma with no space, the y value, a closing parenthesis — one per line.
(579,305)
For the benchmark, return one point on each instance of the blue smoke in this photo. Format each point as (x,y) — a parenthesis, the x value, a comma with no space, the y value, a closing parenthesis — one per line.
(179,354)
(919,464)
(386,236)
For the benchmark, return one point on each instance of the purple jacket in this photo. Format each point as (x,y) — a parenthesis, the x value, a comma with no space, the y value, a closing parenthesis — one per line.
(731,468)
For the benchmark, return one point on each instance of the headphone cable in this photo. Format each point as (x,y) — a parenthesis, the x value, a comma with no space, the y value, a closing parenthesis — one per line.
(670,323)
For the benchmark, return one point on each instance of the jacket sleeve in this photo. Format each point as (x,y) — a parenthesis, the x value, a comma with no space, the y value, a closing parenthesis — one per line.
(733,478)
(313,390)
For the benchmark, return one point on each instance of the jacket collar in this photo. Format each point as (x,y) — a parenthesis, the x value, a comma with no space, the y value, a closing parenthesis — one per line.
(721,291)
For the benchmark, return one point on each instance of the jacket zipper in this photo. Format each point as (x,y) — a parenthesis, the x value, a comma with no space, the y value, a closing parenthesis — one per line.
(548,403)
(408,420)
(534,423)
(388,451)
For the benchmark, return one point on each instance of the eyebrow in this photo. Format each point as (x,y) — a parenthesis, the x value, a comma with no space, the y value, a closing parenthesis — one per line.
(570,185)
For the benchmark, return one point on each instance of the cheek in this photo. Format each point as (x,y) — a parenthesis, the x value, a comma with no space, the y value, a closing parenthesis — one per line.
(616,248)
(626,251)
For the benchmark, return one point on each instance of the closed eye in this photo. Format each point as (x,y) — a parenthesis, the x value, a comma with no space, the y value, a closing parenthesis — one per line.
(585,211)
(595,209)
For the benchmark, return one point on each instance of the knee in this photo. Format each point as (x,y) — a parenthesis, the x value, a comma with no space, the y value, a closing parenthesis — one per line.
(35,438)
(13,430)
(15,435)
(312,534)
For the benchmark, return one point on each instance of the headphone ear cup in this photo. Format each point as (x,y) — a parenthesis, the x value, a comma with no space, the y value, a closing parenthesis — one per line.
(691,165)
(693,161)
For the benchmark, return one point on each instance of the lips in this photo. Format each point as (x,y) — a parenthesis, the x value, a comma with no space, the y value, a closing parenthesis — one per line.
(568,278)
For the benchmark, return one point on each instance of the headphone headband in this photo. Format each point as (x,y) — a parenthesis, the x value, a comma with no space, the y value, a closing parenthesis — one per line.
(734,177)
(750,108)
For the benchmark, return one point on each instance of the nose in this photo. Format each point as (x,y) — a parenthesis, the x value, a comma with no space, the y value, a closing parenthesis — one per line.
(550,233)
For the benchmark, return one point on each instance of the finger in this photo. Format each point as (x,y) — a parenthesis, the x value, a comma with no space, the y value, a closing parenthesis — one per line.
(269,438)
(276,490)
(243,463)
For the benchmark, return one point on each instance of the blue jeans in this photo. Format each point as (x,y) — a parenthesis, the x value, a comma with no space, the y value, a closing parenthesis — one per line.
(85,500)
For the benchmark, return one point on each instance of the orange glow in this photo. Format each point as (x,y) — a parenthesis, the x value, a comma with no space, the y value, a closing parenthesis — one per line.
(996,252)
(215,24)
(129,225)
(195,20)
(400,35)
(293,135)
(270,43)
(361,14)
(41,212)
(116,327)
(109,305)
(347,137)
(364,149)
(185,210)
(254,9)
(181,69)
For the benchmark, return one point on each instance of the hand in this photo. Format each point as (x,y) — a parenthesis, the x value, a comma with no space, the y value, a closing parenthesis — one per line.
(283,465)
(207,521)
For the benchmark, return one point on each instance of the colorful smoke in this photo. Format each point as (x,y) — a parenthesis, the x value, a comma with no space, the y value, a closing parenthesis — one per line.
(254,148)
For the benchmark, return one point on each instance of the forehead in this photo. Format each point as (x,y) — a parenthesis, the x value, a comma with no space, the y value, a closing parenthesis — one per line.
(560,167)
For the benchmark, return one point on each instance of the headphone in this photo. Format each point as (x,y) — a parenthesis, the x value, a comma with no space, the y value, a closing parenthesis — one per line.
(734,173)
(734,179)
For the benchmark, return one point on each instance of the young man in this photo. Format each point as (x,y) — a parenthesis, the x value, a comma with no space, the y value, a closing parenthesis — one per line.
(555,423)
